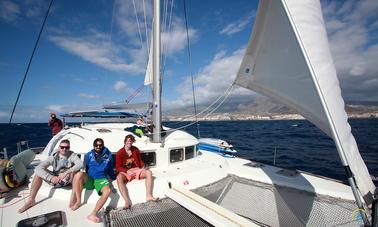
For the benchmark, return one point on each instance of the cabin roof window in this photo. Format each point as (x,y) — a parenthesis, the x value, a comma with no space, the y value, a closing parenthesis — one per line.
(176,155)
(149,158)
(189,152)
(180,154)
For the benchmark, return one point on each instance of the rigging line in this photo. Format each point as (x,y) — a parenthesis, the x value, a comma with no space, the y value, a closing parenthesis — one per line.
(225,94)
(145,24)
(140,34)
(30,61)
(228,90)
(169,30)
(164,28)
(219,104)
(110,41)
(190,68)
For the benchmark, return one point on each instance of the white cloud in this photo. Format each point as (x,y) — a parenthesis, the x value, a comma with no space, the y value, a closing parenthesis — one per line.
(176,40)
(56,108)
(212,81)
(237,26)
(352,30)
(89,96)
(3,114)
(120,86)
(97,50)
(9,11)
(126,18)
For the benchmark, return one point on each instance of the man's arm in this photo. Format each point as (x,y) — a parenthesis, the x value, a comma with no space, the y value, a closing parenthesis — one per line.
(110,169)
(40,170)
(119,164)
(78,164)
(51,121)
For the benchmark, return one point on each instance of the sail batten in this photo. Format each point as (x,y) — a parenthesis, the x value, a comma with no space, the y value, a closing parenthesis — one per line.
(288,59)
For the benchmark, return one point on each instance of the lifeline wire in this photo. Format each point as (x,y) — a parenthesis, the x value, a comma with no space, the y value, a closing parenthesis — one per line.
(191,74)
(30,61)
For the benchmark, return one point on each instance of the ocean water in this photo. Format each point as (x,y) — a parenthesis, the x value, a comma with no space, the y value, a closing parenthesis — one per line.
(298,144)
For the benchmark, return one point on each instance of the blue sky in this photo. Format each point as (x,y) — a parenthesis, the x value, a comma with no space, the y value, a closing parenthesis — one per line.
(90,52)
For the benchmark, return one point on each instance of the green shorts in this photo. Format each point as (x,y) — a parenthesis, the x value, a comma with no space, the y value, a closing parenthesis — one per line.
(97,184)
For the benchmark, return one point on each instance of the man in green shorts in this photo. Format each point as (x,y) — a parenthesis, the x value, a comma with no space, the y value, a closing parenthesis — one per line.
(99,168)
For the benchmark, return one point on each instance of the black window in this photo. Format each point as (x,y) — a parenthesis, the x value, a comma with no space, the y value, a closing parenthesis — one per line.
(149,158)
(189,152)
(176,155)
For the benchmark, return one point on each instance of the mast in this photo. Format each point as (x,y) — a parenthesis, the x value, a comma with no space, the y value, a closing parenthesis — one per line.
(156,108)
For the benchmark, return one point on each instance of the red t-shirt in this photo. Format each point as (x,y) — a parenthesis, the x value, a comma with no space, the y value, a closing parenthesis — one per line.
(125,162)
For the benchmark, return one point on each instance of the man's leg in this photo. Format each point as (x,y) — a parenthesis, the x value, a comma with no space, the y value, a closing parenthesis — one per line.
(78,182)
(149,184)
(20,162)
(121,182)
(100,203)
(36,185)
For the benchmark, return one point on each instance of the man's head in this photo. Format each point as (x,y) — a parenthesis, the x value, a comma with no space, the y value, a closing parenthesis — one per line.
(64,147)
(98,144)
(53,115)
(140,121)
(129,140)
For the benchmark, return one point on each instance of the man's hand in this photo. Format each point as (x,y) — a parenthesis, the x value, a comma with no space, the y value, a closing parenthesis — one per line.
(55,180)
(62,176)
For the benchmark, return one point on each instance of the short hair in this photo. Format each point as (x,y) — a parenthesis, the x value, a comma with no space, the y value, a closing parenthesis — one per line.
(129,136)
(65,141)
(98,139)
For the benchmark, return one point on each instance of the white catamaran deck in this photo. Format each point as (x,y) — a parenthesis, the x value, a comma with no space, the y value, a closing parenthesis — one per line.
(241,186)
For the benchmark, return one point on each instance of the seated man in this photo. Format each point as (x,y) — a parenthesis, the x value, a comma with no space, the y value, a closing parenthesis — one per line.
(13,172)
(65,164)
(129,166)
(99,175)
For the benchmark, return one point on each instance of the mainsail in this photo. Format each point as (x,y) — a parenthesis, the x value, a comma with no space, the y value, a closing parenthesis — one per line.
(288,59)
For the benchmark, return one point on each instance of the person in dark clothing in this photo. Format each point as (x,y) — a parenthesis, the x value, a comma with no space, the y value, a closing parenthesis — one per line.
(55,124)
(13,172)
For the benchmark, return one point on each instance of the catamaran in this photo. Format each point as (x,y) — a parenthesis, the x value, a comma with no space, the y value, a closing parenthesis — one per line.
(287,59)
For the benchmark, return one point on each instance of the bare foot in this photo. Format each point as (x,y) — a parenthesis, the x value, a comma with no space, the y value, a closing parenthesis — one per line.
(127,204)
(72,201)
(93,218)
(76,205)
(27,205)
(151,198)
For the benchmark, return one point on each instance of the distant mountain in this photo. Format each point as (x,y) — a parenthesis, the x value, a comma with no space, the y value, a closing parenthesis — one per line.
(265,106)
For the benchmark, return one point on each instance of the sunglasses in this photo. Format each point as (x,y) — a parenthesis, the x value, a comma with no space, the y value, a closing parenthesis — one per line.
(64,147)
(99,145)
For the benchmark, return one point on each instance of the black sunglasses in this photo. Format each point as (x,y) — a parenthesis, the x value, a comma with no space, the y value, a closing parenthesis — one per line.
(64,147)
(99,145)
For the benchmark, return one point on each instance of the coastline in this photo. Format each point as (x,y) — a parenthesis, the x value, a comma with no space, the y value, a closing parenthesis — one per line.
(244,116)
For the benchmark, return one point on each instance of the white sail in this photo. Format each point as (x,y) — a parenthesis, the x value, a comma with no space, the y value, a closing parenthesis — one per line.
(288,59)
(148,76)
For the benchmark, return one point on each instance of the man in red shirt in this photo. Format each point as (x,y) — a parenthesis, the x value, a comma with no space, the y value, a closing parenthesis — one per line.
(129,166)
(55,124)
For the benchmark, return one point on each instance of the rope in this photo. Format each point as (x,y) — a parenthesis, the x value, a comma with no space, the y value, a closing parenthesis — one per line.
(165,47)
(190,67)
(30,61)
(224,95)
(140,34)
(110,43)
(220,102)
(134,94)
(145,25)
